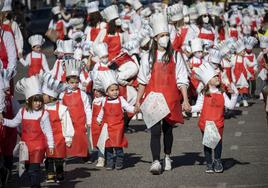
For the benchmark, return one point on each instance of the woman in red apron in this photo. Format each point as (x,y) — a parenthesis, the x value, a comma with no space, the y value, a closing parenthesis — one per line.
(159,73)
(211,103)
(36,128)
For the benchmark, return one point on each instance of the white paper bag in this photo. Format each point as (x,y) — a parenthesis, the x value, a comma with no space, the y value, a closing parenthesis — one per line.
(103,138)
(263,74)
(211,135)
(154,108)
(23,156)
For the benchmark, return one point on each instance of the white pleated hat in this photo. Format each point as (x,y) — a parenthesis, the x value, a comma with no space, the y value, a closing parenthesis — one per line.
(92,6)
(87,48)
(100,49)
(226,46)
(202,8)
(263,41)
(250,42)
(77,23)
(146,12)
(157,7)
(110,13)
(247,20)
(196,45)
(7,75)
(29,86)
(68,46)
(59,48)
(107,79)
(35,40)
(239,45)
(159,23)
(7,6)
(175,12)
(205,72)
(185,10)
(132,47)
(246,29)
(72,67)
(55,10)
(136,4)
(145,35)
(193,12)
(216,11)
(78,36)
(215,56)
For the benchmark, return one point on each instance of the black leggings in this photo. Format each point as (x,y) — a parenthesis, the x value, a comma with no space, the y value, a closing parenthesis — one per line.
(217,153)
(54,162)
(155,139)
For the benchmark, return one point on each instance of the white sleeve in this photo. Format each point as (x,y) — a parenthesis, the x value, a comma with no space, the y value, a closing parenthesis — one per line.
(87,107)
(46,129)
(44,63)
(144,70)
(11,50)
(181,72)
(66,122)
(101,113)
(2,96)
(18,36)
(199,104)
(255,64)
(51,25)
(126,106)
(230,103)
(127,71)
(13,122)
(27,60)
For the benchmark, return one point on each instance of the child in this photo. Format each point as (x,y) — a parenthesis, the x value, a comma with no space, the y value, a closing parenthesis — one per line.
(77,102)
(112,114)
(35,60)
(211,103)
(62,127)
(36,128)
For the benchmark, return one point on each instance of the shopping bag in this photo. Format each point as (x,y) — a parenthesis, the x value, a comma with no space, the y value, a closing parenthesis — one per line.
(51,34)
(211,135)
(154,108)
(104,136)
(23,156)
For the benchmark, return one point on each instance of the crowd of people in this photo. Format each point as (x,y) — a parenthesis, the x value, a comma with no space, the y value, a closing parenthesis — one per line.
(108,63)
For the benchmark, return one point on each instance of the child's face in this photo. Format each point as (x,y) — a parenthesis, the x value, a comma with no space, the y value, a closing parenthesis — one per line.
(37,48)
(73,82)
(46,98)
(214,81)
(97,93)
(113,91)
(37,105)
(198,54)
(242,53)
(104,59)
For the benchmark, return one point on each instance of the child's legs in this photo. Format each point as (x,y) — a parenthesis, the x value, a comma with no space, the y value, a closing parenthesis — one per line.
(119,152)
(49,165)
(155,141)
(59,165)
(35,174)
(110,155)
(218,151)
(168,137)
(100,154)
(208,154)
(8,162)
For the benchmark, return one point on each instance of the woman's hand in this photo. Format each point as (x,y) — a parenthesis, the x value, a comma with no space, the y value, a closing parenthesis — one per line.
(186,106)
(137,107)
(51,151)
(69,144)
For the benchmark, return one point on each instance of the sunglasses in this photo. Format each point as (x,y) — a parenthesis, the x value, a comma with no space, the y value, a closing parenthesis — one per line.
(204,16)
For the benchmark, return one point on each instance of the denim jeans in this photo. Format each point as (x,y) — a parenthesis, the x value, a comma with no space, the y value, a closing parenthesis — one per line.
(119,155)
(217,153)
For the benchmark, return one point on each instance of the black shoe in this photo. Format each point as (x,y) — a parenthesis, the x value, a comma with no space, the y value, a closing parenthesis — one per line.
(119,163)
(4,175)
(209,168)
(59,177)
(218,168)
(110,165)
(50,178)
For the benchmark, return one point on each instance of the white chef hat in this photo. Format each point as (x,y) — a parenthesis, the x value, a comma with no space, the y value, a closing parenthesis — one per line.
(226,46)
(78,53)
(157,7)
(145,35)
(205,72)
(263,41)
(196,45)
(100,49)
(234,7)
(68,46)
(185,10)
(239,45)
(215,56)
(136,4)
(107,79)
(7,75)
(250,42)
(72,67)
(247,20)
(29,86)
(7,6)
(87,48)
(78,36)
(132,47)
(232,21)
(51,86)
(59,48)
(193,13)
(146,12)
(175,12)
(110,13)
(35,40)
(216,11)
(55,10)
(77,23)
(92,6)
(202,8)
(246,29)
(159,23)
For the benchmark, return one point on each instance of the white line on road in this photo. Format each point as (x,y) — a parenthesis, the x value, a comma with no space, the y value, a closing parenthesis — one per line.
(241,122)
(221,185)
(234,147)
(245,112)
(238,134)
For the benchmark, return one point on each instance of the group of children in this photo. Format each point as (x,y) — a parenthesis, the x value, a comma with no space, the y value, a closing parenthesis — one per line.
(181,52)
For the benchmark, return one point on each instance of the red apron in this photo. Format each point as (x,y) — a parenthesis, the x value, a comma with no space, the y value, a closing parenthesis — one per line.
(114,117)
(94,33)
(8,28)
(221,34)
(179,39)
(75,105)
(163,80)
(206,36)
(261,65)
(240,69)
(114,45)
(194,82)
(8,135)
(36,66)
(233,33)
(95,127)
(34,138)
(250,57)
(63,76)
(3,51)
(59,140)
(213,110)
(60,30)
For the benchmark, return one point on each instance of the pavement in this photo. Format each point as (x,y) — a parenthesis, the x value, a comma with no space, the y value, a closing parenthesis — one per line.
(245,158)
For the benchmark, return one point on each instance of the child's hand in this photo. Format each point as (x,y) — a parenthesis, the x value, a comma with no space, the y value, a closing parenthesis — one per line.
(88,125)
(69,144)
(137,108)
(51,151)
(1,118)
(186,106)
(230,90)
(99,123)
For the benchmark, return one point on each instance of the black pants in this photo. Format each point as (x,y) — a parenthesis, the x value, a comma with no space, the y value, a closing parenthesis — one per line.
(156,136)
(217,153)
(54,163)
(34,172)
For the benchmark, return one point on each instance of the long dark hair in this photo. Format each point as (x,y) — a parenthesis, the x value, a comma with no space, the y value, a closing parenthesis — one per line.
(200,23)
(166,57)
(30,100)
(111,28)
(205,90)
(94,19)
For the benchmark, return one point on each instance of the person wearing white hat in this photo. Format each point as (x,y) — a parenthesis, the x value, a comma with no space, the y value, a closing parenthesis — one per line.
(234,30)
(163,71)
(76,25)
(79,107)
(33,117)
(112,114)
(35,60)
(62,127)
(213,99)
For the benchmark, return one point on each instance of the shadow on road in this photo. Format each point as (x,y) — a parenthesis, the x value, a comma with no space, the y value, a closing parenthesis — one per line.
(231,162)
(187,159)
(131,159)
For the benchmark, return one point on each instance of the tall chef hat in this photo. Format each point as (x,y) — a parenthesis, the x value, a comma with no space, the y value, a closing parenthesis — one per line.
(159,23)
(250,42)
(7,75)
(59,48)
(136,4)
(157,7)
(7,6)
(205,72)
(55,10)
(146,12)
(35,40)
(263,41)
(29,86)
(145,36)
(132,47)
(193,13)
(110,13)
(202,8)
(72,67)
(68,46)
(185,10)
(175,12)
(215,56)
(87,48)
(92,6)
(196,45)
(77,23)
(107,79)
(239,45)
(100,49)
(216,11)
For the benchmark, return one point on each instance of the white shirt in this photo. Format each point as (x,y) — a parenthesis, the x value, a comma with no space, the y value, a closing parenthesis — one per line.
(10,49)
(144,74)
(65,118)
(27,61)
(57,69)
(34,115)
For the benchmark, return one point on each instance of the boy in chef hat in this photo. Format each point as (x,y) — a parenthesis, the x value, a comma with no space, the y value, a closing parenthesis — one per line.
(35,60)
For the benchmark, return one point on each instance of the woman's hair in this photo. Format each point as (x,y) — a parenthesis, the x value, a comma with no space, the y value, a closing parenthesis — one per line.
(94,19)
(71,77)
(29,102)
(166,57)
(205,90)
(200,23)
(111,28)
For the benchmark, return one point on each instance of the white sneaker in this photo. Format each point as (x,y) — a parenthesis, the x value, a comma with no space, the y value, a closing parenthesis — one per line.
(167,163)
(194,114)
(134,117)
(140,116)
(237,104)
(156,168)
(101,162)
(245,103)
(261,96)
(184,114)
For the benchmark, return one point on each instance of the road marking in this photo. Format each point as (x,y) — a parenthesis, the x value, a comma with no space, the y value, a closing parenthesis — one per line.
(238,134)
(245,112)
(241,122)
(234,147)
(221,185)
